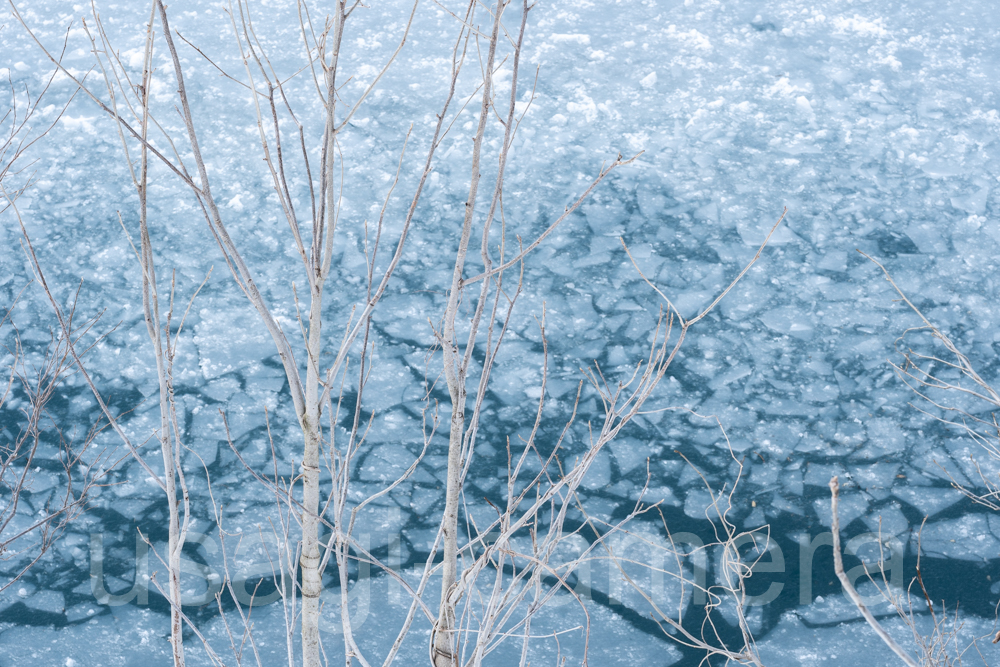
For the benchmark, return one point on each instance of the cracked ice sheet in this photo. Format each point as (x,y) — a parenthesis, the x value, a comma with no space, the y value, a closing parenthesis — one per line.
(974,537)
(831,631)
(875,124)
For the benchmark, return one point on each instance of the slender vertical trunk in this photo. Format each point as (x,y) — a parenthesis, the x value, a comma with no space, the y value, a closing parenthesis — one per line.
(151,310)
(323,226)
(174,547)
(312,578)
(444,651)
(175,540)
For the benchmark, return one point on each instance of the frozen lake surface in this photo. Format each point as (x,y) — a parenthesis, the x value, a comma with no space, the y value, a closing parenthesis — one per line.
(875,123)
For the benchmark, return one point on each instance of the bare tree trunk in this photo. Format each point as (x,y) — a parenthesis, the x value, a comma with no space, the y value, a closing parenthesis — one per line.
(455,369)
(312,577)
(160,334)
(151,311)
(318,269)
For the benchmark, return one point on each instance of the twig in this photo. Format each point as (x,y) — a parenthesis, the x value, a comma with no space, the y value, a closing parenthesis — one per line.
(852,593)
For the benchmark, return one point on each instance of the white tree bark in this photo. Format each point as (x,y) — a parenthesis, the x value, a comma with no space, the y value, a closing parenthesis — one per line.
(159,334)
(455,369)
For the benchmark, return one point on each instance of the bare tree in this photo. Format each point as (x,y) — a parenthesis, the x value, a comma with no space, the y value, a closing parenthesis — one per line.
(164,336)
(480,604)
